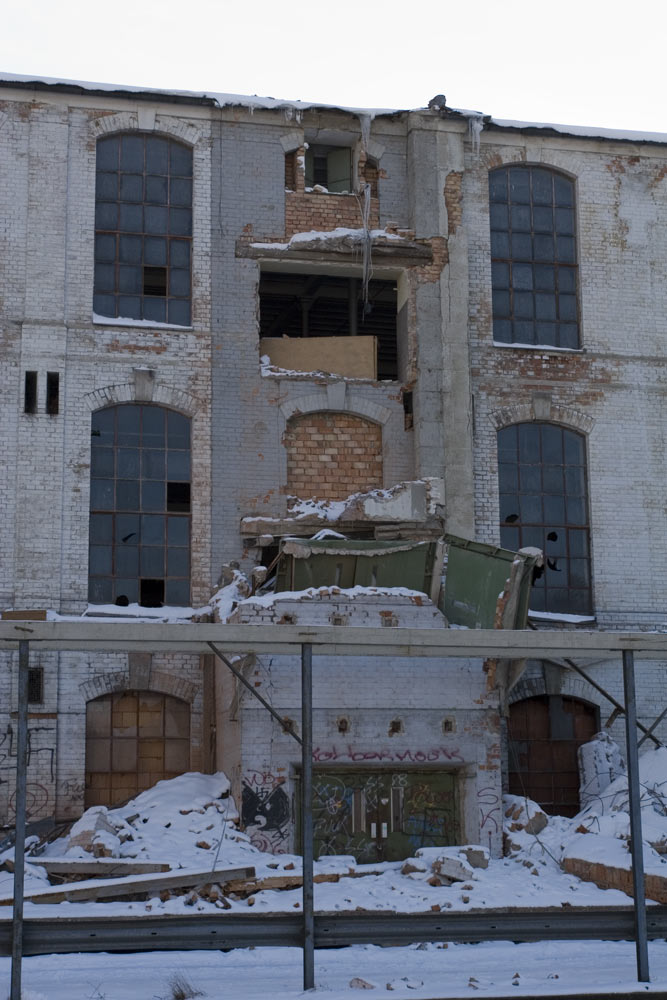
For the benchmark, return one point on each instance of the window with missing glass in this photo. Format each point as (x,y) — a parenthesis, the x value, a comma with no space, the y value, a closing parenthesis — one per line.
(544,503)
(533,257)
(143,228)
(140,507)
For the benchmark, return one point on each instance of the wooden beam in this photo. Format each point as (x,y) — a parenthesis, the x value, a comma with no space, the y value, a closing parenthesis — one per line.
(94,889)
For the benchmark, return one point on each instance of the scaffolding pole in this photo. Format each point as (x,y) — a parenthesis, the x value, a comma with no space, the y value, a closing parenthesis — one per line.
(20,812)
(634,791)
(307,814)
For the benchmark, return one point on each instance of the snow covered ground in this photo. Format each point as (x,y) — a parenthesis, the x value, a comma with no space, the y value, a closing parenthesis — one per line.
(190,822)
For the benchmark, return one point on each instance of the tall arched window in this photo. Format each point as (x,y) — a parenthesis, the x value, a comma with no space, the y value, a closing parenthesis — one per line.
(533,257)
(143,228)
(544,503)
(140,507)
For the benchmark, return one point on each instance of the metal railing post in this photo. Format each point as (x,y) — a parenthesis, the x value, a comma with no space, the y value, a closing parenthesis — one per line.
(20,811)
(634,793)
(307,814)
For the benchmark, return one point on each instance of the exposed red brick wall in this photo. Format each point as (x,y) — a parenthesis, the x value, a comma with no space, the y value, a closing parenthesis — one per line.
(331,455)
(306,210)
(655,886)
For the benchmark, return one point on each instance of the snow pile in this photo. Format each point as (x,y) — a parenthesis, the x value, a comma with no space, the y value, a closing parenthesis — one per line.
(182,822)
(225,600)
(600,833)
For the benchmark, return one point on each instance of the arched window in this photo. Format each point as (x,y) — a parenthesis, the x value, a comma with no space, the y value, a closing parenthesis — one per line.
(544,502)
(143,228)
(140,507)
(533,257)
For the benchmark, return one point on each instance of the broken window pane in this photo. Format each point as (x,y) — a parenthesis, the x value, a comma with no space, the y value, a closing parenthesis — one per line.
(128,553)
(551,496)
(144,187)
(532,220)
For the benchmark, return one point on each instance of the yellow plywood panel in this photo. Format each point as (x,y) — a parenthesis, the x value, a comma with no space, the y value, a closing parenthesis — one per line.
(353,357)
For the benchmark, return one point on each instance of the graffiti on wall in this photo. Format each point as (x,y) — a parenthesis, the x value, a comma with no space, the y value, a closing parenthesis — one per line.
(41,753)
(265,811)
(435,755)
(490,820)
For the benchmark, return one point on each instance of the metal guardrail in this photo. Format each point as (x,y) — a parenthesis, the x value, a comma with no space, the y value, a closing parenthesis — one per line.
(53,935)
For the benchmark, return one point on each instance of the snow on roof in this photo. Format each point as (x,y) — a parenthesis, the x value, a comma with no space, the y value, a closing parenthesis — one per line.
(221,99)
(255,101)
(586,131)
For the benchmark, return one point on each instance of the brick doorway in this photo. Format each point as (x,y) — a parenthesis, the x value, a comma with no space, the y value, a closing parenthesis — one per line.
(544,735)
(133,740)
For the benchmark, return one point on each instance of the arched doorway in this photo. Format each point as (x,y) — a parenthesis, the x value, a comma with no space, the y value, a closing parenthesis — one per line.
(133,740)
(544,735)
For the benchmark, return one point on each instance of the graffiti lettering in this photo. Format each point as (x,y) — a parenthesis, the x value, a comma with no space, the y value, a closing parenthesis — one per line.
(265,811)
(489,809)
(323,755)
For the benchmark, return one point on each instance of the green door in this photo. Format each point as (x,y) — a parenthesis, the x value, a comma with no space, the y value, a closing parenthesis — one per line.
(383,815)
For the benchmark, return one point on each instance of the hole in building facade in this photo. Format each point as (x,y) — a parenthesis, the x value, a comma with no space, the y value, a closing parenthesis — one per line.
(302,317)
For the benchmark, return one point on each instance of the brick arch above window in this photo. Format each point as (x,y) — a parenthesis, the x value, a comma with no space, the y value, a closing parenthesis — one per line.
(556,413)
(331,455)
(129,392)
(336,399)
(158,681)
(146,120)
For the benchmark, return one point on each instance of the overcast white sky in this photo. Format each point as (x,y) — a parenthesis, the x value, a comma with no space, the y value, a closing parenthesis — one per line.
(581,62)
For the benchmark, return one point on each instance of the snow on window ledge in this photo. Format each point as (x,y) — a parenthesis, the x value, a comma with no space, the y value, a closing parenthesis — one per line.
(129,321)
(551,616)
(542,348)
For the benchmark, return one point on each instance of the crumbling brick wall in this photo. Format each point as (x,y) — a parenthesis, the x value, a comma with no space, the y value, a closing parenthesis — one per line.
(332,455)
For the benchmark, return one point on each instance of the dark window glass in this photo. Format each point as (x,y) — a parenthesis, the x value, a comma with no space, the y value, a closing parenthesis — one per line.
(544,503)
(533,252)
(143,197)
(135,511)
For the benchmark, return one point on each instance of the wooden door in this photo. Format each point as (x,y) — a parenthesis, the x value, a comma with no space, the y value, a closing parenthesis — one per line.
(544,735)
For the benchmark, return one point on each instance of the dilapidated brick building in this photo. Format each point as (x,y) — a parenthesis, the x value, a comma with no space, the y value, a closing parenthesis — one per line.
(230,320)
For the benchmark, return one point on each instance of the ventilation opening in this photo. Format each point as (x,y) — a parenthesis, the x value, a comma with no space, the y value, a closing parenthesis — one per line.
(408,419)
(318,305)
(35,685)
(30,393)
(151,593)
(155,281)
(52,392)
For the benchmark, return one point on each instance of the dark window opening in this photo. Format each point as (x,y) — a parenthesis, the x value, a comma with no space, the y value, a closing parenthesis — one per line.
(533,257)
(152,593)
(139,507)
(178,497)
(52,392)
(30,393)
(330,167)
(143,228)
(318,305)
(155,281)
(290,171)
(542,481)
(407,410)
(36,685)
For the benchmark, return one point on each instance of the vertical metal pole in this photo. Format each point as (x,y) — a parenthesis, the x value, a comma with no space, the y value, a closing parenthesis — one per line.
(307,813)
(635,815)
(20,809)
